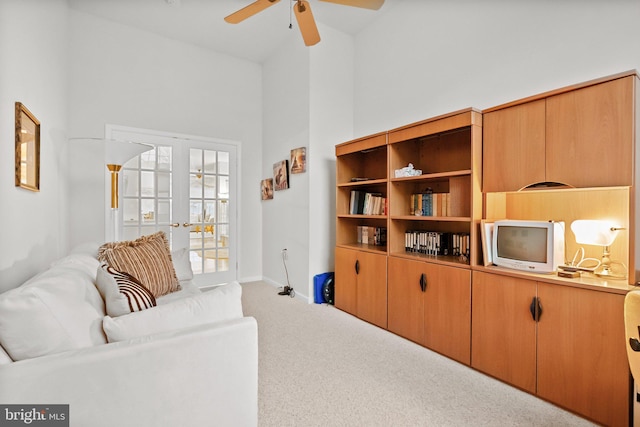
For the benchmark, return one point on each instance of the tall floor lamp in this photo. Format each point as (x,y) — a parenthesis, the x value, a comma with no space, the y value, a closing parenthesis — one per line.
(116,154)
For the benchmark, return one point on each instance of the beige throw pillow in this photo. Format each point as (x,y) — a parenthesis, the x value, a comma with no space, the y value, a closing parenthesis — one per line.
(147,258)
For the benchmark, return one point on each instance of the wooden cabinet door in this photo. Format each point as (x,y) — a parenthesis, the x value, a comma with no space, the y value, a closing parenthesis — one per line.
(514,147)
(503,337)
(582,360)
(589,135)
(405,299)
(345,280)
(447,311)
(371,293)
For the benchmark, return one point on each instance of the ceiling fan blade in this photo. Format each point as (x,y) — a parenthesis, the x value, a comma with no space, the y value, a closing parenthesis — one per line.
(307,24)
(365,4)
(249,11)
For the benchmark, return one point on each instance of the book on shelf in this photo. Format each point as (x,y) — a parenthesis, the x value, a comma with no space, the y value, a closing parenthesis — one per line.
(437,243)
(365,203)
(429,203)
(368,235)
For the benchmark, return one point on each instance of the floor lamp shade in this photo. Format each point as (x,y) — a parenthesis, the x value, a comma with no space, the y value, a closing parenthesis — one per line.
(117,153)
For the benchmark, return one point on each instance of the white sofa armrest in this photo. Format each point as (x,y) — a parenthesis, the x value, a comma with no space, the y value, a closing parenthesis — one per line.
(205,375)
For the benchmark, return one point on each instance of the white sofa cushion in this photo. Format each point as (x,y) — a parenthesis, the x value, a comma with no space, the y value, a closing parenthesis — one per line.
(84,262)
(182,264)
(57,310)
(221,303)
(122,293)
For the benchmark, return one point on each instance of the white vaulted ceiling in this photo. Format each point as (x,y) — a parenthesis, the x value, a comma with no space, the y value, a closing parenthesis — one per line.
(201,22)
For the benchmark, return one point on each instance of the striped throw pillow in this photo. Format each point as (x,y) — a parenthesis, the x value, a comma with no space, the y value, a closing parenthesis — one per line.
(147,258)
(122,293)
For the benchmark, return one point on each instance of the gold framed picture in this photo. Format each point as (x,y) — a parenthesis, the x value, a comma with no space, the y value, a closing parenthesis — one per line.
(27,149)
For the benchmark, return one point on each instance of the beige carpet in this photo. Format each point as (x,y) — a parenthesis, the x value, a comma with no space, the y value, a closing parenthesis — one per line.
(322,367)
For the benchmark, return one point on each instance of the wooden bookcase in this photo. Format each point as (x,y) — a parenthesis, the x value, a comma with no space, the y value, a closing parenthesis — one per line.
(448,151)
(422,296)
(361,268)
(584,137)
(361,166)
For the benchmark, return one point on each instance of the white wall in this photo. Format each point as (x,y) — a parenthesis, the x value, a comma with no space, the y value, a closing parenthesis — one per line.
(285,218)
(424,59)
(331,122)
(308,101)
(123,76)
(33,66)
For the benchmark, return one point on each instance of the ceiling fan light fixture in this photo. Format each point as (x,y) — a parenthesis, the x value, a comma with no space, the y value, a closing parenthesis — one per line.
(304,16)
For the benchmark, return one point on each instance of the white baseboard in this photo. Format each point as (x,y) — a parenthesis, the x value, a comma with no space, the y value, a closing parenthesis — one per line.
(250,279)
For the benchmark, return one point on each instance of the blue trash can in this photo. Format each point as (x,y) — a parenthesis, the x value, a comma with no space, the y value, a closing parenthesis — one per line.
(318,281)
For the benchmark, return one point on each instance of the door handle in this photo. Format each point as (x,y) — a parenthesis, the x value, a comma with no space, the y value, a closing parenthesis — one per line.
(357,267)
(423,282)
(175,224)
(186,224)
(536,309)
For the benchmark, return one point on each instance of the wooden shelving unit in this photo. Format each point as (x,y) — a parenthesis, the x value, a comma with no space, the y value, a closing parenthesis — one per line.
(425,297)
(428,298)
(361,166)
(447,149)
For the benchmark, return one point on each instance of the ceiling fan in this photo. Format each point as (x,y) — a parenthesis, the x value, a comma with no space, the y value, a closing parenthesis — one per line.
(307,24)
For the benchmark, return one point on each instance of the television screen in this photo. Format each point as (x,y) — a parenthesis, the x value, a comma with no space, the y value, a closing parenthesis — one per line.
(522,243)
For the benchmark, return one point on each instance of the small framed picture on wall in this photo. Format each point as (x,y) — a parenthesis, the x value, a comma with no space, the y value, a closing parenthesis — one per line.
(299,160)
(281,175)
(266,189)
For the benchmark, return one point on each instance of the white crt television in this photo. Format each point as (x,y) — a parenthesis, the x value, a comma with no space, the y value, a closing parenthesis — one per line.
(535,246)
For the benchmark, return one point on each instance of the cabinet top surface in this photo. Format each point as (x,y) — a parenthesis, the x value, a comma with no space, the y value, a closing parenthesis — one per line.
(585,281)
(365,138)
(563,90)
(469,110)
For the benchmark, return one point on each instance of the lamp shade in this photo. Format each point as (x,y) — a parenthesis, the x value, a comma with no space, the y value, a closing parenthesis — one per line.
(116,152)
(594,232)
(119,152)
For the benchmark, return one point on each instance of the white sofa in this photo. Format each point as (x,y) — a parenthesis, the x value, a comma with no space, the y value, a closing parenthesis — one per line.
(198,369)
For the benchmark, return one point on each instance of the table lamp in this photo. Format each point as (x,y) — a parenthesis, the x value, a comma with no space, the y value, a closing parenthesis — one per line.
(598,233)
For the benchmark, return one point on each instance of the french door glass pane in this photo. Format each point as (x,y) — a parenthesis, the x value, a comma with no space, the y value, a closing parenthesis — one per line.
(206,189)
(146,200)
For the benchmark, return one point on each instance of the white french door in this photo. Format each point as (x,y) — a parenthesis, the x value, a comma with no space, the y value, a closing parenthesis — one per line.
(186,187)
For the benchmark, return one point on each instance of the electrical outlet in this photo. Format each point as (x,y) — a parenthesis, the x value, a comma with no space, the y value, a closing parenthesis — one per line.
(284,254)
